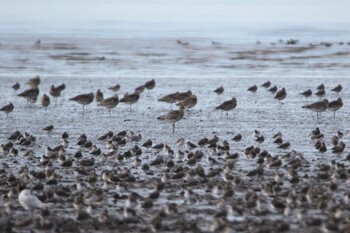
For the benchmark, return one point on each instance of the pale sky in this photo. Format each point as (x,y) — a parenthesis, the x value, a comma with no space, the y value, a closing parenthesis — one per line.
(216,11)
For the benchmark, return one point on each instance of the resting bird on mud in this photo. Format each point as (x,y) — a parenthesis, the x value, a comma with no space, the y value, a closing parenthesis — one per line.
(227,105)
(31,95)
(83,99)
(7,109)
(173,116)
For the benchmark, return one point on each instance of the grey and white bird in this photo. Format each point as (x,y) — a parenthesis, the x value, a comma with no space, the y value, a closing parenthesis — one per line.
(29,201)
(281,94)
(109,103)
(31,95)
(83,99)
(338,88)
(99,96)
(219,90)
(8,108)
(45,101)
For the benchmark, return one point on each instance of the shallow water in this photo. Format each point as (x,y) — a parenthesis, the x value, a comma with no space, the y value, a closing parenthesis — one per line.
(145,50)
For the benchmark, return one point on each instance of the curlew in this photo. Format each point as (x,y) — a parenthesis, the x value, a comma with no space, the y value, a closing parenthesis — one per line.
(31,95)
(335,105)
(110,103)
(130,98)
(317,107)
(34,82)
(173,116)
(83,99)
(188,102)
(228,105)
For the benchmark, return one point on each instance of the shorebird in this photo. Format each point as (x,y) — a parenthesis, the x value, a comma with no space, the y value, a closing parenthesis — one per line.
(338,88)
(149,85)
(16,86)
(183,95)
(173,116)
(320,87)
(61,87)
(317,107)
(130,98)
(335,105)
(284,145)
(31,95)
(316,134)
(320,93)
(83,99)
(147,144)
(34,82)
(56,91)
(237,137)
(253,88)
(48,128)
(7,109)
(339,148)
(219,90)
(110,103)
(98,96)
(45,101)
(281,94)
(29,201)
(273,89)
(171,98)
(266,84)
(189,102)
(306,93)
(114,88)
(227,105)
(260,139)
(140,89)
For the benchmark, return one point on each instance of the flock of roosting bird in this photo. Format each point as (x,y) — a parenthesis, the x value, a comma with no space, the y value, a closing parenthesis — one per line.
(119,189)
(185,100)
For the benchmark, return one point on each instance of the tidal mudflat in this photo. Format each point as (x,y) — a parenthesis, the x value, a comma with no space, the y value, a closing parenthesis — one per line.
(130,173)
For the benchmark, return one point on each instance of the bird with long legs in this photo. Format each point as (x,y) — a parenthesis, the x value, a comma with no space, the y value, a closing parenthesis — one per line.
(317,107)
(83,99)
(335,105)
(173,116)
